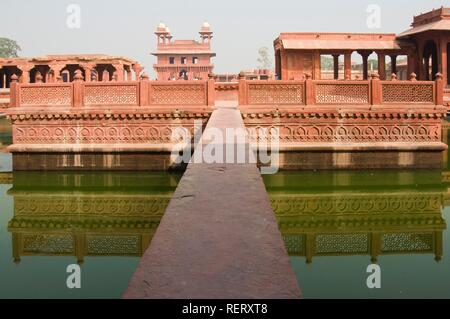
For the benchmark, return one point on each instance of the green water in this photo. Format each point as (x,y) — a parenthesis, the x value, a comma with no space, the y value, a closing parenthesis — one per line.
(334,225)
(102,221)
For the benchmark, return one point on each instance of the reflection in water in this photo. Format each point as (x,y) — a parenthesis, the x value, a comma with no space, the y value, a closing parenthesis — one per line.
(336,220)
(379,214)
(78,215)
(86,215)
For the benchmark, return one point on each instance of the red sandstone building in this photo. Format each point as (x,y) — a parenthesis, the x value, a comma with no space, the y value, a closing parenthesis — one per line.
(183,59)
(62,68)
(426,46)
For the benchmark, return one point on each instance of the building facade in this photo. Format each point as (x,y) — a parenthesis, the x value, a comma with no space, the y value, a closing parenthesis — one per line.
(62,68)
(426,45)
(183,59)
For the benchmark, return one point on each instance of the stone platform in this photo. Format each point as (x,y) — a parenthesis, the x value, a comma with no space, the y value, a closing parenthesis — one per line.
(218,237)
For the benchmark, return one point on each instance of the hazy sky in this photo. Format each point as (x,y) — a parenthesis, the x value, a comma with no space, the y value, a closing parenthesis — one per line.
(241,27)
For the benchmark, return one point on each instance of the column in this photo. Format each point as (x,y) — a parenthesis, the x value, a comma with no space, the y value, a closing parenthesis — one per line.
(412,62)
(129,74)
(25,77)
(365,57)
(88,67)
(56,68)
(336,66)
(394,64)
(444,61)
(421,71)
(348,65)
(119,71)
(137,68)
(381,65)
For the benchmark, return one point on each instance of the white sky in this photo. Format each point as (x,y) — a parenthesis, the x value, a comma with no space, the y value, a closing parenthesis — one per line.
(241,27)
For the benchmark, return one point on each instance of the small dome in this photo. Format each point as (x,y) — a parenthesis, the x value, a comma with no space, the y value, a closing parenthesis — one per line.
(161,25)
(205,25)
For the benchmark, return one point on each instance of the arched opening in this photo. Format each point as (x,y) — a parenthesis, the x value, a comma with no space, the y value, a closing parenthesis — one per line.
(5,75)
(372,64)
(183,75)
(68,72)
(357,67)
(430,63)
(42,69)
(105,72)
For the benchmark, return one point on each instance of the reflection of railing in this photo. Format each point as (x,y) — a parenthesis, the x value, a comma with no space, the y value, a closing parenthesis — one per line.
(361,224)
(142,93)
(84,225)
(332,92)
(86,214)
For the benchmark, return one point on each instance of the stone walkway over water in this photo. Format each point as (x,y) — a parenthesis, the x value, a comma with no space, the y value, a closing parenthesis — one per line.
(218,237)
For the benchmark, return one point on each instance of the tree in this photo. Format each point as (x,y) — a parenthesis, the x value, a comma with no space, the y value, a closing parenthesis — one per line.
(9,48)
(264,59)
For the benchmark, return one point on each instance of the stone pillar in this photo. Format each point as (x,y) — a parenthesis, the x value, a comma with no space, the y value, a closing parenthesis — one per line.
(348,65)
(56,71)
(137,68)
(420,70)
(105,76)
(38,77)
(444,60)
(119,72)
(365,58)
(88,67)
(412,63)
(336,66)
(393,64)
(129,74)
(381,65)
(25,78)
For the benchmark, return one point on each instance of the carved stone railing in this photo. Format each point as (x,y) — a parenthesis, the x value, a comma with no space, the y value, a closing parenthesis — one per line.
(98,94)
(271,92)
(114,119)
(337,92)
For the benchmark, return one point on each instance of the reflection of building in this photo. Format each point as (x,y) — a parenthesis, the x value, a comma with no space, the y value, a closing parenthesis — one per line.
(426,44)
(87,214)
(183,59)
(368,222)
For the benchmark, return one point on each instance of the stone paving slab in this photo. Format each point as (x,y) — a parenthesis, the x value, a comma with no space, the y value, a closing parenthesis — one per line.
(218,238)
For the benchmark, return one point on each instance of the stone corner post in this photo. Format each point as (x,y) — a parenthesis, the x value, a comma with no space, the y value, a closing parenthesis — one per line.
(242,90)
(211,90)
(78,89)
(144,90)
(14,91)
(375,89)
(439,89)
(310,98)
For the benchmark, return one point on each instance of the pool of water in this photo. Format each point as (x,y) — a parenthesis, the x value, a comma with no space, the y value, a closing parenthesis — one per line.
(101,221)
(334,224)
